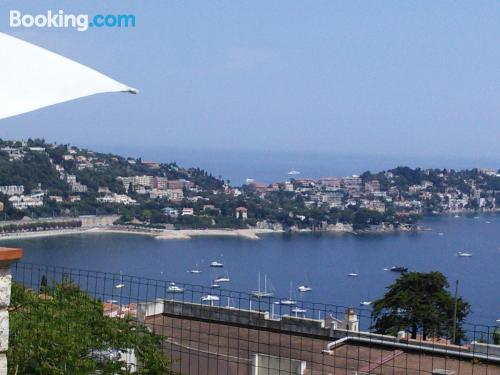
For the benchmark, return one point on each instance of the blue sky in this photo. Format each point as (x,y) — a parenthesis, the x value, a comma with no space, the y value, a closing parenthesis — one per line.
(384,78)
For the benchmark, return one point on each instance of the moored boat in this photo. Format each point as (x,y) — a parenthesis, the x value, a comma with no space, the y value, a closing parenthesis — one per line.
(173,288)
(304,288)
(261,293)
(399,269)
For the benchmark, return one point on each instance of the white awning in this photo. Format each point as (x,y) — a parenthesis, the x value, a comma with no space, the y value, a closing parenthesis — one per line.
(32,77)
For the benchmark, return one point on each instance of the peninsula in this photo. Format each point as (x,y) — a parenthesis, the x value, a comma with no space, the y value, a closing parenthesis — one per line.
(47,187)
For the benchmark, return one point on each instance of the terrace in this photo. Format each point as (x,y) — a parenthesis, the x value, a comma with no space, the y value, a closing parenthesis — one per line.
(237,333)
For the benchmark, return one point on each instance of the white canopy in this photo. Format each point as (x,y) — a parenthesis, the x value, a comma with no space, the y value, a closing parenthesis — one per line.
(32,77)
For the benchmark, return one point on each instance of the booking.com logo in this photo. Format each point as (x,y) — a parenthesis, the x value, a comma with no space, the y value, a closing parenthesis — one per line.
(80,22)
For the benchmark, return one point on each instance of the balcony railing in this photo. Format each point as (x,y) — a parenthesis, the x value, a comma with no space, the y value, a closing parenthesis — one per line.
(203,330)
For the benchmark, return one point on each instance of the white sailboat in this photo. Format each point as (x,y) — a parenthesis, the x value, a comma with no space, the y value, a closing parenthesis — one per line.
(464,254)
(195,270)
(216,264)
(304,288)
(222,279)
(288,301)
(262,293)
(353,274)
(120,284)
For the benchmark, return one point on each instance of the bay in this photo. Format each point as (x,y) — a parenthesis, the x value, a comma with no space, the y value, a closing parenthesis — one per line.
(321,260)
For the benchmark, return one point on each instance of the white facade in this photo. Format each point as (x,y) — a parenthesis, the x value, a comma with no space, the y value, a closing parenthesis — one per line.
(12,189)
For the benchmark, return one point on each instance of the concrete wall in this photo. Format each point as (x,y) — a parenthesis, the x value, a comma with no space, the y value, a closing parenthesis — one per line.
(270,365)
(145,309)
(90,221)
(246,317)
(487,349)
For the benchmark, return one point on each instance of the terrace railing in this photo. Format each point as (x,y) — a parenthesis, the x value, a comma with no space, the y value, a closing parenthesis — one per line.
(203,330)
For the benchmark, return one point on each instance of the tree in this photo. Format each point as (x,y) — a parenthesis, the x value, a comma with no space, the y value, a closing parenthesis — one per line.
(62,330)
(420,302)
(44,284)
(496,336)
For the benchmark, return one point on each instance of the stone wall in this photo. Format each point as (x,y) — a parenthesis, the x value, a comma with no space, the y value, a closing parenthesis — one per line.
(7,256)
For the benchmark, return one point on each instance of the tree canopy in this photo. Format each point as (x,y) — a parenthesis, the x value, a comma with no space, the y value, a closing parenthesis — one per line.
(420,302)
(62,330)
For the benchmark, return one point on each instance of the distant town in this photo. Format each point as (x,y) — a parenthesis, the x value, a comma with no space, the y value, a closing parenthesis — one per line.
(62,183)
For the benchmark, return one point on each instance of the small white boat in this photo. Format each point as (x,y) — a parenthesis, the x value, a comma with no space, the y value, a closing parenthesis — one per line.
(464,254)
(288,301)
(298,310)
(353,274)
(214,286)
(209,298)
(293,172)
(222,279)
(456,216)
(261,294)
(216,264)
(119,286)
(365,303)
(173,288)
(441,233)
(195,270)
(304,288)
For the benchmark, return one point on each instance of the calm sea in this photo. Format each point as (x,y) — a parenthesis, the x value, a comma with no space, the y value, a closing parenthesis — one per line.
(322,261)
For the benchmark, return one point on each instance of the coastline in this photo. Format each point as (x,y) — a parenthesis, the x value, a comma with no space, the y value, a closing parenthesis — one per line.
(186,234)
(183,234)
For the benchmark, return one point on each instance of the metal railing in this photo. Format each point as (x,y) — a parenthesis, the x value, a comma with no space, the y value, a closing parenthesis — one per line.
(205,330)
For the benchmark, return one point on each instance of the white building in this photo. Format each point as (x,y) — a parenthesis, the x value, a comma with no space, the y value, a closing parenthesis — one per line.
(12,189)
(187,211)
(22,202)
(117,198)
(77,187)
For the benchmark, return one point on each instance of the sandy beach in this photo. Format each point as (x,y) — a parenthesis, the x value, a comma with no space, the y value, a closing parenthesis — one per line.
(183,234)
(250,234)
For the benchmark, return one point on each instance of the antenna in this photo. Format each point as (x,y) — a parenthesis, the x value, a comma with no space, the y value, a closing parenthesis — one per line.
(455,313)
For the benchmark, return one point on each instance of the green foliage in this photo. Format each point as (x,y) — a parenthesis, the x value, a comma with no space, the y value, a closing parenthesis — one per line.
(363,218)
(420,302)
(496,336)
(60,331)
(37,226)
(34,168)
